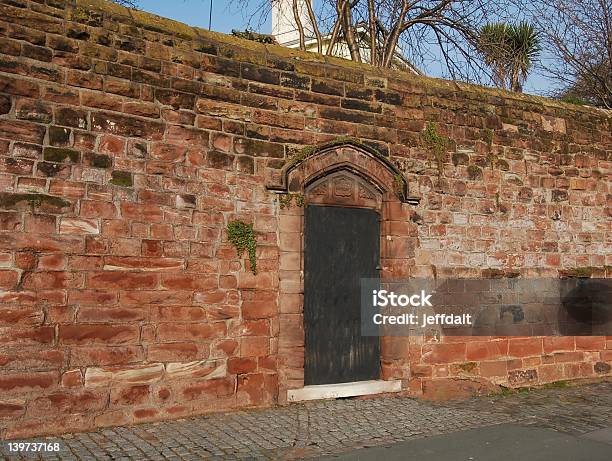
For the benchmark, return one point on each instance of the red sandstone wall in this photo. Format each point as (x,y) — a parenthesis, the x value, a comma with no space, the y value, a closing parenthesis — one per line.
(128,143)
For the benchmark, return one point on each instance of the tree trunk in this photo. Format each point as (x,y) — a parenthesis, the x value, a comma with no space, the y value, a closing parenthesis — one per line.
(315,27)
(391,44)
(373,38)
(349,32)
(299,25)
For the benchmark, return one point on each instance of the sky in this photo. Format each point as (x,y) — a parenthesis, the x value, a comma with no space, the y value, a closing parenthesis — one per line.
(226,17)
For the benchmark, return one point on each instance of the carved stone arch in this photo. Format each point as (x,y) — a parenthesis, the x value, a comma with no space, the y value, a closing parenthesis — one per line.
(343,188)
(361,160)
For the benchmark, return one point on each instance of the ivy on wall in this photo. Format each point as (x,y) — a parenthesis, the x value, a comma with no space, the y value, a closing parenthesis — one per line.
(242,237)
(285,200)
(435,143)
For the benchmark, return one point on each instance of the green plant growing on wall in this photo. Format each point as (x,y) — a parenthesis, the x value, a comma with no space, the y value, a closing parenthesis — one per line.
(436,144)
(299,200)
(399,185)
(285,200)
(488,137)
(253,36)
(242,237)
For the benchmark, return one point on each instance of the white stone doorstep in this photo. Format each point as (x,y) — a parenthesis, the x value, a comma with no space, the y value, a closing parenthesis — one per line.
(334,391)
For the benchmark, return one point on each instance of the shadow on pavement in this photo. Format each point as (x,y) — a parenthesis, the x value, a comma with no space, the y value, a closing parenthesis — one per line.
(504,442)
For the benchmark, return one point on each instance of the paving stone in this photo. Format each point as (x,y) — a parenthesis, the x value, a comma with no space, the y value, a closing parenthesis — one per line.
(332,427)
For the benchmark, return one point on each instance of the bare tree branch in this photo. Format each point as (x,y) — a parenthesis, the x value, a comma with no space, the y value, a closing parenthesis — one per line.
(348,29)
(373,33)
(391,33)
(315,26)
(578,40)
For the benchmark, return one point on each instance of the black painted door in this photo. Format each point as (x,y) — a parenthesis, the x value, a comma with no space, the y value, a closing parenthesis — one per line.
(341,245)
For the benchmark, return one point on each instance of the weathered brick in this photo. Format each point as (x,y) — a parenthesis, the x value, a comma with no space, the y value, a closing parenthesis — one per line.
(124,374)
(444,353)
(11,383)
(120,279)
(105,354)
(68,116)
(191,331)
(122,125)
(21,131)
(173,352)
(95,333)
(18,336)
(20,87)
(525,347)
(130,395)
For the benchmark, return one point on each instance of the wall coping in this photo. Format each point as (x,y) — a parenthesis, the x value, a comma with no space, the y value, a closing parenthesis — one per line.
(270,52)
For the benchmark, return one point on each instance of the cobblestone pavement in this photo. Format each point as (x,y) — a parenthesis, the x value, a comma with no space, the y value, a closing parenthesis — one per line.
(328,427)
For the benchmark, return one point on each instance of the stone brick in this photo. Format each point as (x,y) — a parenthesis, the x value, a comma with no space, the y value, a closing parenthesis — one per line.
(525,347)
(21,316)
(12,409)
(10,221)
(486,350)
(190,331)
(121,279)
(21,131)
(197,370)
(51,279)
(186,136)
(550,373)
(208,388)
(123,375)
(33,110)
(30,335)
(590,343)
(444,353)
(20,87)
(494,368)
(112,314)
(68,116)
(104,355)
(79,226)
(72,378)
(189,282)
(559,343)
(522,377)
(173,352)
(254,346)
(101,334)
(259,309)
(241,365)
(11,383)
(122,125)
(130,395)
(561,357)
(28,359)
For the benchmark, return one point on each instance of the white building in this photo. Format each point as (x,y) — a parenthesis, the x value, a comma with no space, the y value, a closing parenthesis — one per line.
(285,31)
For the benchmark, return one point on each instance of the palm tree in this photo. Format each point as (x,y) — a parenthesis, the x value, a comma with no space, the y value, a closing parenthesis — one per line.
(510,50)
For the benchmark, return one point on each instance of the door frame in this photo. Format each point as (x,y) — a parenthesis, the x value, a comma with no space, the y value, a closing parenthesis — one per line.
(376,218)
(398,239)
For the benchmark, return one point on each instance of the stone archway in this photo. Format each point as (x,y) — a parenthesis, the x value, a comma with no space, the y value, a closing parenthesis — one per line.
(344,174)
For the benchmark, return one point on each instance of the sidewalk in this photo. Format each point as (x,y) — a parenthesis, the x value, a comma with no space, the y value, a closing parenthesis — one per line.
(341,426)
